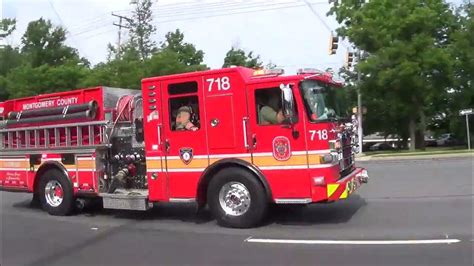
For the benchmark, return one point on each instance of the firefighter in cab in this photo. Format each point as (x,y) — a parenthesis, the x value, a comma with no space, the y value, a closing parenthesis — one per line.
(270,113)
(183,119)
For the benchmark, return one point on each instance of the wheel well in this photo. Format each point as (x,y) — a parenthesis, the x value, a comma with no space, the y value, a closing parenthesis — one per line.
(46,167)
(212,170)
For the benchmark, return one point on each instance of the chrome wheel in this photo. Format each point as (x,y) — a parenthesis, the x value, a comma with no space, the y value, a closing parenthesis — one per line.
(234,198)
(54,193)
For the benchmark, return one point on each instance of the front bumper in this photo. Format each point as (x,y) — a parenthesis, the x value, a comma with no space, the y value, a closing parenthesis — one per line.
(343,188)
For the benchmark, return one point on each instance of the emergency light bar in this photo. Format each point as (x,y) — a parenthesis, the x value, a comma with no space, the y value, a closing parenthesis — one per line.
(275,71)
(310,71)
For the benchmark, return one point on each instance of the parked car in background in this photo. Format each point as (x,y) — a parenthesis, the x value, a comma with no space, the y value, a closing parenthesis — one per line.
(448,139)
(430,141)
(381,146)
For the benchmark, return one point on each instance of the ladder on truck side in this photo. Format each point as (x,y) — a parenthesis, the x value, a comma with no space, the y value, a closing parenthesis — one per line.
(66,137)
(87,135)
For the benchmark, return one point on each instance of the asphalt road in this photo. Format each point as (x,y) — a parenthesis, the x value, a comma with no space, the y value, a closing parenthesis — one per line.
(405,200)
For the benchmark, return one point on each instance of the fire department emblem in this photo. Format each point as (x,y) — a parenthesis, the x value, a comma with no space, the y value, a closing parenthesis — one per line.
(186,155)
(281,148)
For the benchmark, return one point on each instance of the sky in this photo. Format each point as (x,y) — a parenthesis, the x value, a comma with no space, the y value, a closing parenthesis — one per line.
(289,33)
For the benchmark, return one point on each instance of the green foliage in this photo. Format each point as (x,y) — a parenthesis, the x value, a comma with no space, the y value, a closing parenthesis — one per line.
(168,62)
(142,29)
(187,52)
(461,95)
(3,89)
(408,69)
(174,57)
(238,57)
(7,26)
(10,58)
(124,72)
(43,43)
(27,80)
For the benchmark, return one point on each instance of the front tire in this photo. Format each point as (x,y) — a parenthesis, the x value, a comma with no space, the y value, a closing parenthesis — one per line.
(56,193)
(237,198)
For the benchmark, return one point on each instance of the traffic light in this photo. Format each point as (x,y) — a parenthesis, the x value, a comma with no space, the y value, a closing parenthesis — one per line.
(333,44)
(349,59)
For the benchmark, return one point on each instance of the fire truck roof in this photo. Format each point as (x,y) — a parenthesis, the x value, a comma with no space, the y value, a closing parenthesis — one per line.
(251,76)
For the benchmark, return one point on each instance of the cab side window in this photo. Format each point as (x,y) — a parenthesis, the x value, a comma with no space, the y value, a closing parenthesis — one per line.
(268,106)
(268,103)
(184,106)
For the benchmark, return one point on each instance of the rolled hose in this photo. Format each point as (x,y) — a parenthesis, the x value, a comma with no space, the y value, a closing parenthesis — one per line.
(89,114)
(59,110)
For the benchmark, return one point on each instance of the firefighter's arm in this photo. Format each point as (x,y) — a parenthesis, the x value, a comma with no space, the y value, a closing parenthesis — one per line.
(191,126)
(269,115)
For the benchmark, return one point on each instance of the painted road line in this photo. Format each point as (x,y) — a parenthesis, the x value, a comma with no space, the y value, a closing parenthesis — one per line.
(352,242)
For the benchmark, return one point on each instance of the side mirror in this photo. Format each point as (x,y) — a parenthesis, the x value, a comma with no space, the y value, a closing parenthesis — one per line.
(288,106)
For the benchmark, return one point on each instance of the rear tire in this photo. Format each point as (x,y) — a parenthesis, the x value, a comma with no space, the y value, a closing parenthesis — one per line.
(56,193)
(237,198)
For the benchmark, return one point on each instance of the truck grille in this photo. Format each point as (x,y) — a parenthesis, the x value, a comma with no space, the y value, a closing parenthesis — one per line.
(347,161)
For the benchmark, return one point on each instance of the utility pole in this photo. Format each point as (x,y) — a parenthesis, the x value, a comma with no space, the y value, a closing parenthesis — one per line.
(120,26)
(359,106)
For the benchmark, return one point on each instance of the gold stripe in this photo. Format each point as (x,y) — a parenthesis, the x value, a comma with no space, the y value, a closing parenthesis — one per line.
(85,164)
(295,160)
(14,164)
(271,161)
(153,164)
(314,159)
(195,163)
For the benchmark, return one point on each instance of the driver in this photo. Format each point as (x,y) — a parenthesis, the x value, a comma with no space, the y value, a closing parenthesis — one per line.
(271,113)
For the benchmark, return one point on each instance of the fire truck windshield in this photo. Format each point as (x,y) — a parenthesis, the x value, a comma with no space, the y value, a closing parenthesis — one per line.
(323,102)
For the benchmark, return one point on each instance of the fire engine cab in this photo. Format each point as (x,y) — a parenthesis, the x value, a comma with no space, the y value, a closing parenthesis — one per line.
(234,139)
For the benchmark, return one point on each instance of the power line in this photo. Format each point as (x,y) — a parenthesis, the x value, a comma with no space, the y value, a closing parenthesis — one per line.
(91,23)
(192,9)
(97,34)
(223,7)
(62,22)
(211,7)
(228,14)
(95,27)
(321,19)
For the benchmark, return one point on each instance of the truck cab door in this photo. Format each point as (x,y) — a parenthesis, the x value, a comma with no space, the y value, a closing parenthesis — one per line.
(225,112)
(278,149)
(185,136)
(154,140)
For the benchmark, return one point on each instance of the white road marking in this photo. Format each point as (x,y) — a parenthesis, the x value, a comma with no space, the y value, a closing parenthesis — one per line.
(94,228)
(352,242)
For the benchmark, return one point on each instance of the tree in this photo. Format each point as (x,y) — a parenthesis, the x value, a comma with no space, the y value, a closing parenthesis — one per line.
(237,57)
(43,43)
(123,72)
(142,29)
(408,64)
(9,57)
(7,26)
(187,52)
(461,95)
(27,80)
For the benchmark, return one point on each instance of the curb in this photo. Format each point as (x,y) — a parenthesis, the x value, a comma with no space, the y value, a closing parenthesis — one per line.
(414,157)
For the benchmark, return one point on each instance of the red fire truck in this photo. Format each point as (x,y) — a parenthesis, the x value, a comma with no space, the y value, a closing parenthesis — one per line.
(233,139)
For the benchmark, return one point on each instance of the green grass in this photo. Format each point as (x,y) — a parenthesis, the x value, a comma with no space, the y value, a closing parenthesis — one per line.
(428,151)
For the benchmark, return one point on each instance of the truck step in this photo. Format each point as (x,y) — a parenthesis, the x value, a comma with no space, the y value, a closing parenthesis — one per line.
(136,199)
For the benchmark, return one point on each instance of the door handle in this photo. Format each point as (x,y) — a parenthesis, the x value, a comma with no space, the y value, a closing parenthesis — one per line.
(244,125)
(167,145)
(254,140)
